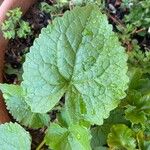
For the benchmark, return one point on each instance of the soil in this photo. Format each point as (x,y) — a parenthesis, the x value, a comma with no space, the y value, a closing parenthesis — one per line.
(17,48)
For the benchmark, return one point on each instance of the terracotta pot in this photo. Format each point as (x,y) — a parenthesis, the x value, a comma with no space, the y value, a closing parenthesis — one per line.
(6,5)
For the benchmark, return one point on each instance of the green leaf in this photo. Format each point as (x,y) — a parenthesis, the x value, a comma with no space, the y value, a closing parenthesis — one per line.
(100,148)
(24,29)
(146,145)
(14,14)
(144,85)
(138,80)
(46,8)
(14,137)
(139,14)
(9,34)
(77,55)
(14,26)
(135,74)
(121,137)
(139,107)
(134,115)
(100,133)
(74,138)
(14,98)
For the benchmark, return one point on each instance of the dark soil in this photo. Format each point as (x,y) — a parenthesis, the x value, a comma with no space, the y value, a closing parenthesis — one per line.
(17,48)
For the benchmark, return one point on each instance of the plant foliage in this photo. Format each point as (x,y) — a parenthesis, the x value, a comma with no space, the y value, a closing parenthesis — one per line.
(139,13)
(14,26)
(14,98)
(14,137)
(121,137)
(78,62)
(75,137)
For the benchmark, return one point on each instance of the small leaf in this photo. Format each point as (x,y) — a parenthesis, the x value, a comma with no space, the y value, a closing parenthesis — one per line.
(46,8)
(121,137)
(24,29)
(9,34)
(100,133)
(14,98)
(139,107)
(14,137)
(14,14)
(135,116)
(74,138)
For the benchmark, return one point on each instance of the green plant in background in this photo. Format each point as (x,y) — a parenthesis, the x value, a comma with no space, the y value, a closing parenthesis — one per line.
(54,10)
(14,26)
(139,15)
(57,8)
(121,137)
(84,2)
(46,8)
(125,33)
(135,22)
(127,4)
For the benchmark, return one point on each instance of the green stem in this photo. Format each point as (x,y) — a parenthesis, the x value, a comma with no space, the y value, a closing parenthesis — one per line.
(40,145)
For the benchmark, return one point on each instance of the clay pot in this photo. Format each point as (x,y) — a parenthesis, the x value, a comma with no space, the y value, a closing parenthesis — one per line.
(6,5)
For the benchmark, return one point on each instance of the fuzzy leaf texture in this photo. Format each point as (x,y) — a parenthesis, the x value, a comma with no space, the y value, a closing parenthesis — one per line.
(14,137)
(14,98)
(74,138)
(77,55)
(121,137)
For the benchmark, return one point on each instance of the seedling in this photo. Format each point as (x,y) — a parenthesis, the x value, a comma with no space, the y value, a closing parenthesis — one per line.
(14,26)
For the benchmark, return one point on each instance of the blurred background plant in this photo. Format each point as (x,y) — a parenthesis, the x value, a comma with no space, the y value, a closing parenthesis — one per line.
(14,26)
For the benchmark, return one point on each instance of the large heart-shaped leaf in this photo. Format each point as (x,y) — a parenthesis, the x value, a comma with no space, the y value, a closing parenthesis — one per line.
(77,55)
